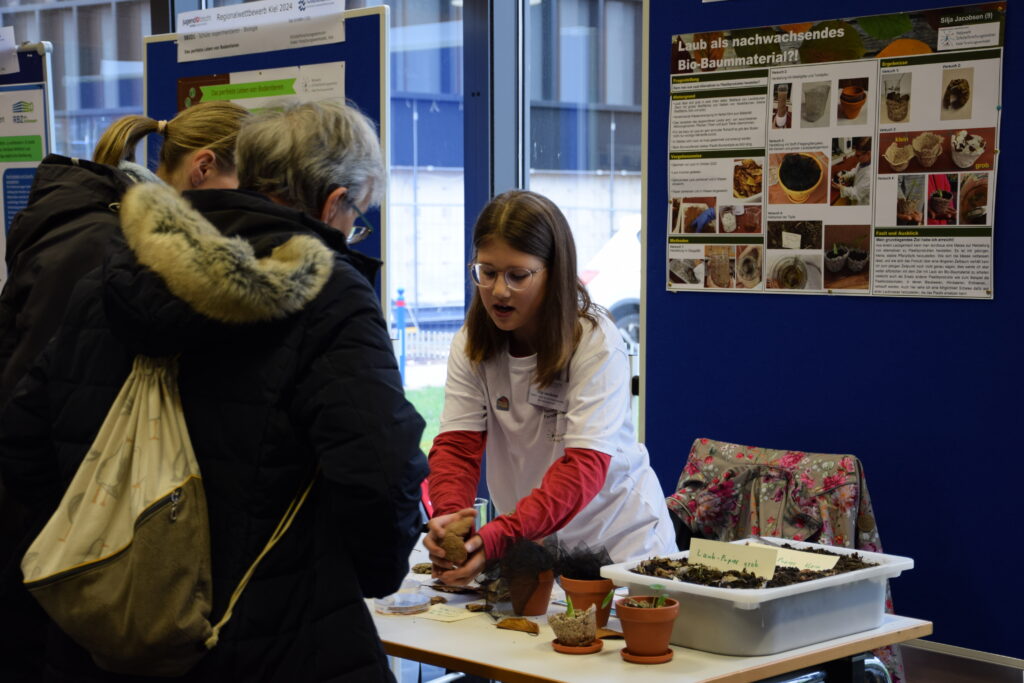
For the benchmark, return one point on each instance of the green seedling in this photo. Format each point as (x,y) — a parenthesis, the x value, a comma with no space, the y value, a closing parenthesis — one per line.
(658,601)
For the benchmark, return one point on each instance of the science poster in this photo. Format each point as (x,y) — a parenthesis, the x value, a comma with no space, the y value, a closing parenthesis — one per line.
(848,156)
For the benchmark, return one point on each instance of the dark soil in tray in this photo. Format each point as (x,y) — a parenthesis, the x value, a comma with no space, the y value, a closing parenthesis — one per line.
(682,570)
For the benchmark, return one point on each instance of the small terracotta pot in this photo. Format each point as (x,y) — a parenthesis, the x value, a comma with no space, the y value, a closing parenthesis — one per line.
(851,101)
(647,629)
(531,595)
(587,592)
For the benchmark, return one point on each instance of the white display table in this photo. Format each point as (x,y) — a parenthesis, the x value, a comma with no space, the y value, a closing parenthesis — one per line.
(476,646)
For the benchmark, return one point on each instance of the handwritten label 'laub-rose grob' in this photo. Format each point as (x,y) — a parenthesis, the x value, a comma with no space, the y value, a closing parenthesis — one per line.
(759,560)
(801,560)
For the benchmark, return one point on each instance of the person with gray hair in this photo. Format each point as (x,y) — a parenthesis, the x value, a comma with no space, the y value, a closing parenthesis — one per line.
(286,372)
(323,159)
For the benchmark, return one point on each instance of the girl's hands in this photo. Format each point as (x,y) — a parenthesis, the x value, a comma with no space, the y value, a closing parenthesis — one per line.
(444,570)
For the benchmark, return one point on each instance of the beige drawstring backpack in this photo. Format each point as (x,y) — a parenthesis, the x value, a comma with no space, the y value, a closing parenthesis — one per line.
(123,565)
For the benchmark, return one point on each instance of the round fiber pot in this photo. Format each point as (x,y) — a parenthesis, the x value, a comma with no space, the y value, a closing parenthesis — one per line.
(856,261)
(531,595)
(647,629)
(587,592)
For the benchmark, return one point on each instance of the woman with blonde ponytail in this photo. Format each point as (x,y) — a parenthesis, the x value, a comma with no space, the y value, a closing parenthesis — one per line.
(198,150)
(63,233)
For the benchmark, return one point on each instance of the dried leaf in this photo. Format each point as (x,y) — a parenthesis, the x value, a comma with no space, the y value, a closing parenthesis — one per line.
(797,28)
(886,26)
(422,568)
(520,624)
(478,607)
(438,600)
(904,46)
(847,46)
(608,633)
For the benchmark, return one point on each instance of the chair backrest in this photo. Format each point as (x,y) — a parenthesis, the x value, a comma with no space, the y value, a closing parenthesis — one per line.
(728,491)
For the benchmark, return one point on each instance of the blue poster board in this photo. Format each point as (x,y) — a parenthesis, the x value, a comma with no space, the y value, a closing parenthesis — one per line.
(364,53)
(33,79)
(26,132)
(926,392)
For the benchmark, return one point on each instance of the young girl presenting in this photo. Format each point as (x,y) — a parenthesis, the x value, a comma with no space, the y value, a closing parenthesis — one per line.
(538,376)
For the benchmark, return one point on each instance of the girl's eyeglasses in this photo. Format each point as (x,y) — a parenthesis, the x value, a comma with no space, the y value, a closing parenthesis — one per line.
(516,279)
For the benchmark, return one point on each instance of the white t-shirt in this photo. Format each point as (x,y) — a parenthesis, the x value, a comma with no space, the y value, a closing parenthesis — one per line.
(528,430)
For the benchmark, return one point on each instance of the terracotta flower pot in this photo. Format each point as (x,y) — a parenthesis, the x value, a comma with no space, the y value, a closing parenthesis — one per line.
(587,592)
(851,101)
(647,629)
(530,596)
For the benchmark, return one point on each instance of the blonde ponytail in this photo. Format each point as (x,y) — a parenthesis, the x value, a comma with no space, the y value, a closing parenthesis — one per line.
(207,125)
(118,142)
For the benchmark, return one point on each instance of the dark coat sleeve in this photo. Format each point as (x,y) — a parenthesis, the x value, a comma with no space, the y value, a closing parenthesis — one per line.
(365,434)
(28,459)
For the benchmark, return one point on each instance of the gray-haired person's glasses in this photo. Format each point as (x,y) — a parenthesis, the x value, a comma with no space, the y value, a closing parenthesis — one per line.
(516,279)
(361,229)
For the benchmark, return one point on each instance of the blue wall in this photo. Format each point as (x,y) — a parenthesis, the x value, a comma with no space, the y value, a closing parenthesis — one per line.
(926,392)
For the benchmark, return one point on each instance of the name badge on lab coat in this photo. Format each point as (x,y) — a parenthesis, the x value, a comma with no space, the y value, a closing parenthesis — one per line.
(553,396)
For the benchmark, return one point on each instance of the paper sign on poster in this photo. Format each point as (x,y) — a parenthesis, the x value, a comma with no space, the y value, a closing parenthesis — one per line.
(8,51)
(263,26)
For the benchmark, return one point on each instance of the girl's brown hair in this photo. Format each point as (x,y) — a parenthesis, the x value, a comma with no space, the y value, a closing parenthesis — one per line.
(531,223)
(207,125)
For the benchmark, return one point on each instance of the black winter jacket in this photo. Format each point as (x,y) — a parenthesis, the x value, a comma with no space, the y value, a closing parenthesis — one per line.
(285,364)
(60,236)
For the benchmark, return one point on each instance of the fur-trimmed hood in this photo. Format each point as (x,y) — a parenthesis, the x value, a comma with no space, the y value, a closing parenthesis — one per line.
(220,277)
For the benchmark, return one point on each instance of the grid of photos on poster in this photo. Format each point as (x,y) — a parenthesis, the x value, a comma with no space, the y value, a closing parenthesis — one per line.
(852,156)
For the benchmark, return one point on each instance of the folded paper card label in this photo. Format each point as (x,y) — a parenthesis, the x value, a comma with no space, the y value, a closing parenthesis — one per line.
(791,240)
(759,560)
(801,560)
(449,613)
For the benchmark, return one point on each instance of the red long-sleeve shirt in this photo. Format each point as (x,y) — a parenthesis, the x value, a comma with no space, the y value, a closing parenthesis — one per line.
(569,484)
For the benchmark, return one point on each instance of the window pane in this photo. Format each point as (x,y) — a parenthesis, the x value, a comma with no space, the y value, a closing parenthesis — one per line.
(97,62)
(585,139)
(426,251)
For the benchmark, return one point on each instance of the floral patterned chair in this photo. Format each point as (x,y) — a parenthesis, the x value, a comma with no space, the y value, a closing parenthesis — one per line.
(727,491)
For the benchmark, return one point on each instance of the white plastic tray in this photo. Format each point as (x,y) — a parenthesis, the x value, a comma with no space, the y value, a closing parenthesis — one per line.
(747,622)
